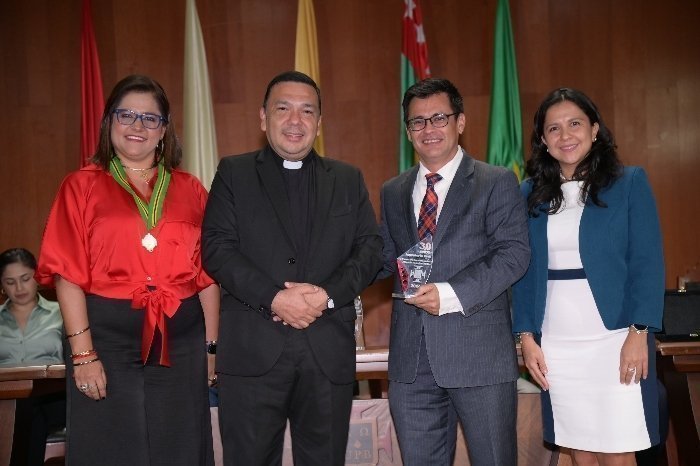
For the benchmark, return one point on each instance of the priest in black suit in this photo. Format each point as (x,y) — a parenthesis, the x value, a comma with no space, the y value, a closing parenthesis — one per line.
(292,239)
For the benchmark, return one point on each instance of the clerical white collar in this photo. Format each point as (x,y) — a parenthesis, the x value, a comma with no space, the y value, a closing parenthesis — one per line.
(292,165)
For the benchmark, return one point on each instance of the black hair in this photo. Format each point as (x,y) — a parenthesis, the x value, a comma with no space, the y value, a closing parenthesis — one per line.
(600,168)
(17,255)
(431,86)
(292,76)
(170,152)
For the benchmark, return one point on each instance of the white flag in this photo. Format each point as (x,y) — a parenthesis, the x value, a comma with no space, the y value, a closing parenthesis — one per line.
(200,156)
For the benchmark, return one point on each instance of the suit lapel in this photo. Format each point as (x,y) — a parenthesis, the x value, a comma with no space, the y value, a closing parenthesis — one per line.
(325,182)
(407,204)
(537,226)
(273,184)
(538,233)
(457,195)
(595,217)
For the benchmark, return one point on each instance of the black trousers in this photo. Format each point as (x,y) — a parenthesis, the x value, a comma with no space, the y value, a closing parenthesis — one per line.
(153,415)
(35,419)
(253,412)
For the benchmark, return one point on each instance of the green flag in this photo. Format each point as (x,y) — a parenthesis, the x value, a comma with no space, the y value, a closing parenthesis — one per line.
(414,67)
(505,145)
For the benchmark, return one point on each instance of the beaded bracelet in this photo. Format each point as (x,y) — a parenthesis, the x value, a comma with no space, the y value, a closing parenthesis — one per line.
(78,332)
(82,354)
(86,362)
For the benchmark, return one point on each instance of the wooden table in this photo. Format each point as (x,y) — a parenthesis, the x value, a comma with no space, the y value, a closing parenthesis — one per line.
(23,382)
(372,363)
(679,369)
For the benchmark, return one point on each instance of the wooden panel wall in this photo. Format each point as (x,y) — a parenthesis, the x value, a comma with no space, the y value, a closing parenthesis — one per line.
(636,58)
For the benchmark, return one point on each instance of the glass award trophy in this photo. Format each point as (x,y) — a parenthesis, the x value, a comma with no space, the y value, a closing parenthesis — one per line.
(414,267)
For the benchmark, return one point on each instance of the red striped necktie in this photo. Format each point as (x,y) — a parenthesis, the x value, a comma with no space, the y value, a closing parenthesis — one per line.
(427,217)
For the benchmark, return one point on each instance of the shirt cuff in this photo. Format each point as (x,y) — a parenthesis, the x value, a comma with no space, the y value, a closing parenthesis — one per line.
(449,302)
(268,296)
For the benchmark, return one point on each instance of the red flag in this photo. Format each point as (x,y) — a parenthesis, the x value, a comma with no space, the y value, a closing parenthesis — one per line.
(414,47)
(92,98)
(414,67)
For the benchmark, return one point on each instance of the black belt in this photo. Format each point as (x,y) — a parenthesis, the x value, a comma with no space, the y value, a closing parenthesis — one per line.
(566,274)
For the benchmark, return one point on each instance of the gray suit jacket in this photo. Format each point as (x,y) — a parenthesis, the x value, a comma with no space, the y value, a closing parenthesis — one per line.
(480,249)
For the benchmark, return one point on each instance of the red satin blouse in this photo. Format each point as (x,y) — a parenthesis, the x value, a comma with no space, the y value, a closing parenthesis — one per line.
(93,239)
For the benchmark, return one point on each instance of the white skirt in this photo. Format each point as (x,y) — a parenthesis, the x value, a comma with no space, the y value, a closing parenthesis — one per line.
(590,409)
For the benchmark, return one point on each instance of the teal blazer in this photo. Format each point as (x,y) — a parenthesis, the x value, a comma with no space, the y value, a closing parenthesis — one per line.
(622,255)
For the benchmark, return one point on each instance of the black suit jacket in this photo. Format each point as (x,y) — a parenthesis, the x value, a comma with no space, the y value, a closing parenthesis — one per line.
(248,247)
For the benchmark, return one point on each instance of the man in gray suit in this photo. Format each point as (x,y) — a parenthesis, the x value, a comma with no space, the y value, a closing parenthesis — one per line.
(451,348)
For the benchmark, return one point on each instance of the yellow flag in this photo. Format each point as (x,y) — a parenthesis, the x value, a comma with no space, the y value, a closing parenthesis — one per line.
(306,56)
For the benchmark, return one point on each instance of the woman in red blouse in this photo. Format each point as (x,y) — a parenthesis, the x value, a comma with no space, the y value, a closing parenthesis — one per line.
(122,246)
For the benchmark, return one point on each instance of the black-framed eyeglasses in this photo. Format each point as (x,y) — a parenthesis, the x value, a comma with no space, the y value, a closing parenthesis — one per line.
(148,120)
(439,120)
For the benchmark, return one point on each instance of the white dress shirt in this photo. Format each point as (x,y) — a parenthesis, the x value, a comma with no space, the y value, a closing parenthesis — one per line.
(448,298)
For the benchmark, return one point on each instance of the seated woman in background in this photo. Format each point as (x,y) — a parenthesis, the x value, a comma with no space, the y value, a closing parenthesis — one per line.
(30,335)
(30,326)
